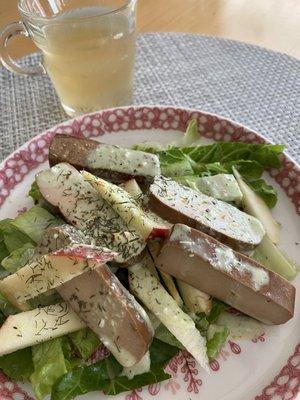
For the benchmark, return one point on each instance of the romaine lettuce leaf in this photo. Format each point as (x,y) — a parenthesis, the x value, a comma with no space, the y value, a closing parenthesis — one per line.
(217,309)
(25,229)
(217,338)
(3,272)
(123,384)
(187,180)
(150,147)
(266,155)
(71,359)
(3,250)
(2,318)
(85,342)
(12,236)
(18,258)
(49,365)
(6,307)
(203,321)
(105,375)
(202,169)
(34,221)
(17,365)
(179,168)
(35,193)
(85,379)
(249,169)
(250,159)
(161,352)
(191,134)
(265,191)
(164,335)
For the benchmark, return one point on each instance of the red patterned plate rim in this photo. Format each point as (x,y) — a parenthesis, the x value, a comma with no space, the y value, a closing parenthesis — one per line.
(33,153)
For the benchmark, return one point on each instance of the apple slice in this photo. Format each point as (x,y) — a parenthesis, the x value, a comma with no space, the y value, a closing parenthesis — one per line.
(37,326)
(128,209)
(133,188)
(154,296)
(272,258)
(256,207)
(195,300)
(52,270)
(153,248)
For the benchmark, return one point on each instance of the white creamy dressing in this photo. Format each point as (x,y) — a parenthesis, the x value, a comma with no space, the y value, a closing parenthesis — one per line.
(139,368)
(124,357)
(227,261)
(221,186)
(222,258)
(118,159)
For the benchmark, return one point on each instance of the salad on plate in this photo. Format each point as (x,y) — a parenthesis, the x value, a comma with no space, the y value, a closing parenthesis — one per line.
(129,256)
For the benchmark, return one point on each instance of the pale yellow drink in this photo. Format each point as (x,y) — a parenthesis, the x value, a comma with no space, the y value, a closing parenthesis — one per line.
(90,60)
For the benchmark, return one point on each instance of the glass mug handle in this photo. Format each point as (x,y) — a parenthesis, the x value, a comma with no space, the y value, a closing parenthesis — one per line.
(16,28)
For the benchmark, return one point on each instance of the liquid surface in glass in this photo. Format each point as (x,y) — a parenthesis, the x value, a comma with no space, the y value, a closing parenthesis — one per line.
(90,60)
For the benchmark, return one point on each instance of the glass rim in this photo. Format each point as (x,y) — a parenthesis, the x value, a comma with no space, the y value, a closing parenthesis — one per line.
(28,15)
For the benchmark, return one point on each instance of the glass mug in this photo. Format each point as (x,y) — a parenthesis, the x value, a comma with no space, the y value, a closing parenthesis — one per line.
(88,51)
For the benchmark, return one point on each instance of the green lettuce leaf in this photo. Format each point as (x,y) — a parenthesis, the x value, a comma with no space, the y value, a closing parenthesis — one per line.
(179,168)
(216,341)
(13,238)
(161,352)
(27,228)
(250,160)
(209,169)
(49,365)
(6,307)
(249,169)
(150,147)
(34,222)
(266,155)
(105,375)
(3,273)
(123,384)
(187,180)
(85,379)
(265,191)
(85,342)
(164,335)
(216,336)
(18,365)
(18,258)
(2,318)
(35,193)
(203,321)
(71,358)
(191,134)
(218,308)
(3,250)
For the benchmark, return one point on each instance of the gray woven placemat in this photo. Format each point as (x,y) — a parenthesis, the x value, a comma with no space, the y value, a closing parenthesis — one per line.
(251,85)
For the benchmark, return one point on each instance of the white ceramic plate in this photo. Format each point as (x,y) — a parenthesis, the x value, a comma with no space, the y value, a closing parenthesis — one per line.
(264,369)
